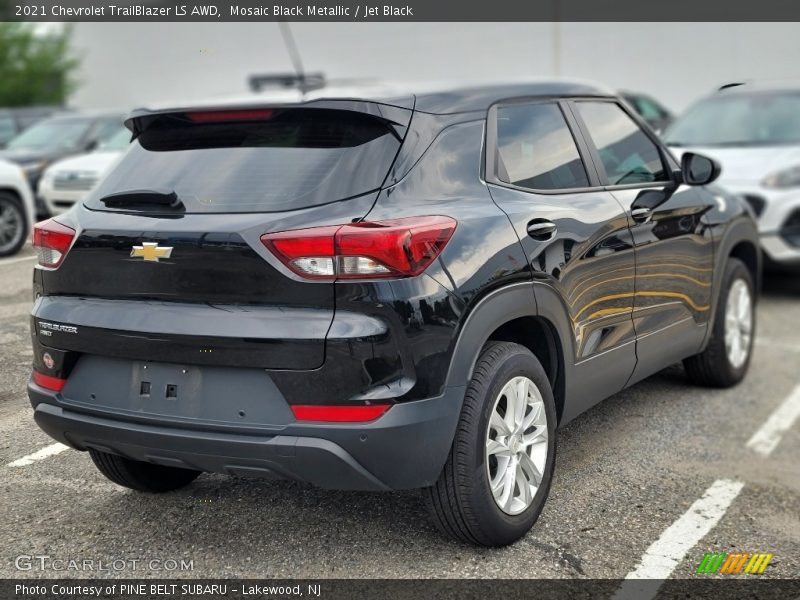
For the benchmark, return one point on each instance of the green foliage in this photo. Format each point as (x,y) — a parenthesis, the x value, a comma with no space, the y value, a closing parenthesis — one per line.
(35,68)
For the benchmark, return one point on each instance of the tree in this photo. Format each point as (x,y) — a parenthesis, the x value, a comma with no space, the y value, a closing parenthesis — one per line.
(35,68)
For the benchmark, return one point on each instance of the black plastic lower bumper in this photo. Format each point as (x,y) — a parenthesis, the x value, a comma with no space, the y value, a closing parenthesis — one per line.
(405,448)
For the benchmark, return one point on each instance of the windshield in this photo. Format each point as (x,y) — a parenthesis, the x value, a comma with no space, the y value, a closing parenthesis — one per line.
(294,158)
(55,134)
(117,142)
(763,118)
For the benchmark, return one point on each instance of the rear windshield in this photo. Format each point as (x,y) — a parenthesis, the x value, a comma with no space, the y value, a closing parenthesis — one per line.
(285,160)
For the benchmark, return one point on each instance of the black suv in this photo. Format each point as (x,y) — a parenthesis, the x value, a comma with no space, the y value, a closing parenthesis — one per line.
(382,294)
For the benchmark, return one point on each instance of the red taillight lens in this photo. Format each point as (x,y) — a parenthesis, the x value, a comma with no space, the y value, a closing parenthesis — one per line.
(52,240)
(368,250)
(48,382)
(221,116)
(339,414)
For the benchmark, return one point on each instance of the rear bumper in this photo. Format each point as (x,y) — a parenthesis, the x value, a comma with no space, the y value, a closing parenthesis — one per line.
(405,448)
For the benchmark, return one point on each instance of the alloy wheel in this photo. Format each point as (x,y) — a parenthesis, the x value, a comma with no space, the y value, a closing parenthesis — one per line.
(738,323)
(11,225)
(516,445)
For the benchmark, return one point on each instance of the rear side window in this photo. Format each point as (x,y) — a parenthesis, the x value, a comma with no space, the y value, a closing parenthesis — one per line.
(627,154)
(536,150)
(285,159)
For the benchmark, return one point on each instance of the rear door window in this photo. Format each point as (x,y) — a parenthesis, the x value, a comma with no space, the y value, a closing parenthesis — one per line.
(536,150)
(285,159)
(628,155)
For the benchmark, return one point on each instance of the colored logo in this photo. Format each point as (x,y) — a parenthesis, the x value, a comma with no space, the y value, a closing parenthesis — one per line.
(151,251)
(734,563)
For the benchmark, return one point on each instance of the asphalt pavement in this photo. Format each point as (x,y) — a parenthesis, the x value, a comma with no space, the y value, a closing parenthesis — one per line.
(626,472)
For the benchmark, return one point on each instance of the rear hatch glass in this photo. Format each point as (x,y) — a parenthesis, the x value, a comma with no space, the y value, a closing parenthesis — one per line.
(267,160)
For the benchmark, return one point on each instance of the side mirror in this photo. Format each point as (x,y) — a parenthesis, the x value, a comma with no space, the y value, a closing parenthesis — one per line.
(697,169)
(91,145)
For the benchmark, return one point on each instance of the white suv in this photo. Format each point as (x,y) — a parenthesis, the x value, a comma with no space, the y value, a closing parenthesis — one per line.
(16,208)
(753,130)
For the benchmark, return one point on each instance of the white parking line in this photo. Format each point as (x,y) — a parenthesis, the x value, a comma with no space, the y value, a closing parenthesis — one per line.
(780,421)
(666,553)
(11,261)
(45,452)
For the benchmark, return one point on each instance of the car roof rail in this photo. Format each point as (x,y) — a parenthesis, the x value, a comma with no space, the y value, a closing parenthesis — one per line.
(730,85)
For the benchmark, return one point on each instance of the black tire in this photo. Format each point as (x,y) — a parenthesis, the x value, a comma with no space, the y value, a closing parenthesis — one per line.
(11,208)
(461,502)
(712,367)
(141,476)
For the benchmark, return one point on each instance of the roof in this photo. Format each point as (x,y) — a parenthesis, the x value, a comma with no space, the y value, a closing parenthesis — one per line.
(764,85)
(426,97)
(466,99)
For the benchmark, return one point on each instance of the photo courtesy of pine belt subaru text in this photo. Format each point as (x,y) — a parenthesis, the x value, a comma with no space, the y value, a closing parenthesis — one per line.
(384,293)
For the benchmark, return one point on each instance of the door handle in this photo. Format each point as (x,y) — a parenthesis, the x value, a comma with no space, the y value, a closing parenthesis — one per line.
(641,214)
(541,229)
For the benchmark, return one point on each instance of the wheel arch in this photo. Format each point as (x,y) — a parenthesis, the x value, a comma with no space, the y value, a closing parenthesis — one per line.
(739,240)
(14,192)
(511,314)
(749,254)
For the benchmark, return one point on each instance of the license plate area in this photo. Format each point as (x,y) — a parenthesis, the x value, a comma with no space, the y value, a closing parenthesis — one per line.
(220,395)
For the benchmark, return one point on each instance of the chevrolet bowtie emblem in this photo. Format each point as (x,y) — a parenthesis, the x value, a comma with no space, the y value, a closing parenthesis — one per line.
(151,251)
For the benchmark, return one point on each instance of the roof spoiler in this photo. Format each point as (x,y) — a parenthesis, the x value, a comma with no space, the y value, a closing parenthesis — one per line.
(396,116)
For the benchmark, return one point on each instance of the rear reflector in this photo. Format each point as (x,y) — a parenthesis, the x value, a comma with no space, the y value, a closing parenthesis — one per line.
(366,250)
(52,240)
(221,116)
(48,382)
(352,414)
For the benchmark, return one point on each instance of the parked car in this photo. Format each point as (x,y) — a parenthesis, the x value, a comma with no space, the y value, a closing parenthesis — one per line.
(14,121)
(336,292)
(753,130)
(653,112)
(16,208)
(67,181)
(57,138)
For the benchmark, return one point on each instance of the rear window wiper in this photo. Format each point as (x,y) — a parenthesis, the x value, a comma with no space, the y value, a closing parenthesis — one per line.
(143,199)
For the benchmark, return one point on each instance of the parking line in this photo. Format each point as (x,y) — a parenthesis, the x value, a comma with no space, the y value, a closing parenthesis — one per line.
(779,422)
(666,553)
(11,261)
(45,452)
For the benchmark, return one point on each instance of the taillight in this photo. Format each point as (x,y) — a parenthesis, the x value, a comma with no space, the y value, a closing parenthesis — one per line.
(48,382)
(52,240)
(366,250)
(339,414)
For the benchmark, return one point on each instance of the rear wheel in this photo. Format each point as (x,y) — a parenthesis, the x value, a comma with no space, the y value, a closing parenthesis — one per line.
(725,360)
(141,476)
(13,224)
(498,473)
